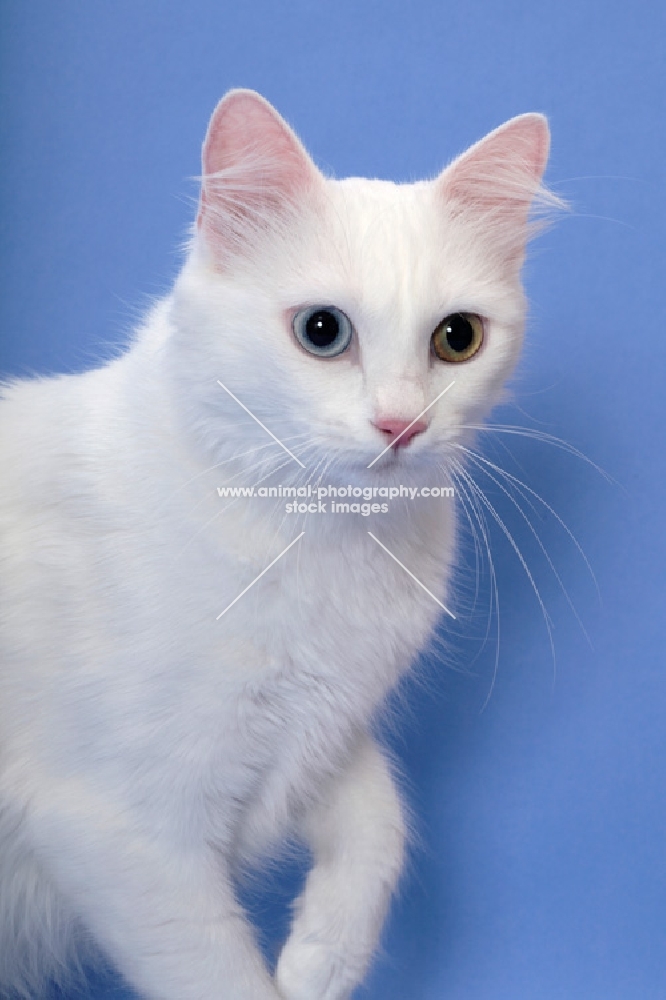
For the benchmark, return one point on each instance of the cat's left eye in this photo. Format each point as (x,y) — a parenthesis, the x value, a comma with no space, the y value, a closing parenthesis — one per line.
(458,337)
(323,330)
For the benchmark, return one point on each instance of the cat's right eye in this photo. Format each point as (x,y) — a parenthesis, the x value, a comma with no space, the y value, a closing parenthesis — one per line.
(322,330)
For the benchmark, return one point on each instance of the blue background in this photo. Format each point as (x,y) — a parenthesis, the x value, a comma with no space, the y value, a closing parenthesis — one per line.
(540,871)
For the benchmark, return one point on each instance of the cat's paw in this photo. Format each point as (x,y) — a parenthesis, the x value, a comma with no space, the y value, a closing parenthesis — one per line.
(311,970)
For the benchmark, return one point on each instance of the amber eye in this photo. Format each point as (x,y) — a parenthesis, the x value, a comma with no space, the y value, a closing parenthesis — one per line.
(458,337)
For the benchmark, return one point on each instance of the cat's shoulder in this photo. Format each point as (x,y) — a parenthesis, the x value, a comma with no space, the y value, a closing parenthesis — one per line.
(50,429)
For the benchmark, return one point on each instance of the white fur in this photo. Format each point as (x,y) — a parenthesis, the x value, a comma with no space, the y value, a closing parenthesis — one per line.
(148,751)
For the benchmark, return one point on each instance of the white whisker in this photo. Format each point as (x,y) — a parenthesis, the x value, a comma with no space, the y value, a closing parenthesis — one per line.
(494,586)
(520,486)
(478,462)
(543,437)
(512,542)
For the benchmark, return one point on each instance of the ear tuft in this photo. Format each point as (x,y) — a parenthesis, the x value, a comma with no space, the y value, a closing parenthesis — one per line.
(254,170)
(498,180)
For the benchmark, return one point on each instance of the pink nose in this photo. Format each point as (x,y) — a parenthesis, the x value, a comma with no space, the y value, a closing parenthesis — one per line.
(396,430)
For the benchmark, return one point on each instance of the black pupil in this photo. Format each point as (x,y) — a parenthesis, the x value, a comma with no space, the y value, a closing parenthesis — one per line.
(322,328)
(459,333)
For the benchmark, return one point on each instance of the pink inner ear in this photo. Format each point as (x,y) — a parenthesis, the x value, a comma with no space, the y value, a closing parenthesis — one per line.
(504,169)
(252,161)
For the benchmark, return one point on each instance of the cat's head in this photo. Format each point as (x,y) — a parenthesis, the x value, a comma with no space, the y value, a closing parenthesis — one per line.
(338,311)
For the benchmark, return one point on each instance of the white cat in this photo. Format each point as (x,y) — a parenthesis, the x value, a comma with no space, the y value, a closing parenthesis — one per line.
(159,732)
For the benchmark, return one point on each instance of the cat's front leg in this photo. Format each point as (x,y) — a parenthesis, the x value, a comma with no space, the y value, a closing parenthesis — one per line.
(357,837)
(162,909)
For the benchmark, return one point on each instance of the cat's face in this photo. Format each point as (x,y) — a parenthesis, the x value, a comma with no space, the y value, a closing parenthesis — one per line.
(342,312)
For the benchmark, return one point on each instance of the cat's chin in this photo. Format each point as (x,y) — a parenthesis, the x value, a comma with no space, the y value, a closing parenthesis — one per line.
(393,467)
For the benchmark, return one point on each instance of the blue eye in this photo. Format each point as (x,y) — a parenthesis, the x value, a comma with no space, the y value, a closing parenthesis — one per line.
(323,330)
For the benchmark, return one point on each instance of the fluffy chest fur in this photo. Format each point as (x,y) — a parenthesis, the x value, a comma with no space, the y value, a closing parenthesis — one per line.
(135,678)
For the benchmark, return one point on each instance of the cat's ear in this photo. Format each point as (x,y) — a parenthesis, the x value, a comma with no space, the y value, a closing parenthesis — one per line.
(496,182)
(255,171)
